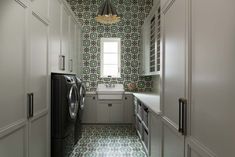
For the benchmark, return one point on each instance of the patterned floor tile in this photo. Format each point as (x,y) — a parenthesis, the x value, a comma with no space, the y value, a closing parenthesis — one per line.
(108,141)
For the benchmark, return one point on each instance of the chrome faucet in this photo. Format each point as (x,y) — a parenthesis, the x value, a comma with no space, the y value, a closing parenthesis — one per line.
(109,85)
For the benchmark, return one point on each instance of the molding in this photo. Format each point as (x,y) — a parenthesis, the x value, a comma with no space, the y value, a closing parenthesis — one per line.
(167,6)
(170,124)
(39,115)
(12,127)
(41,18)
(23,3)
(67,6)
(192,143)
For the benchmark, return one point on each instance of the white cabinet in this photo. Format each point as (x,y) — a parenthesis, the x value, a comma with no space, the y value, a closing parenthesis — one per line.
(65,36)
(128,109)
(13,119)
(155,128)
(24,69)
(151,43)
(79,50)
(102,112)
(110,112)
(72,51)
(173,142)
(212,89)
(55,31)
(90,109)
(174,80)
(38,86)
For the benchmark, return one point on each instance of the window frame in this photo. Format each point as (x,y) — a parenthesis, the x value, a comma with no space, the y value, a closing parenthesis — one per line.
(102,40)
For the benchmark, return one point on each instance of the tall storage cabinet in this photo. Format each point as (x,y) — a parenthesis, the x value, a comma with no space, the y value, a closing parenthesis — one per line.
(212,87)
(24,125)
(174,75)
(38,86)
(13,100)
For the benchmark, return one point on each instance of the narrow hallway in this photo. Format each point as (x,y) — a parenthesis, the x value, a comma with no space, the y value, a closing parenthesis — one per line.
(109,141)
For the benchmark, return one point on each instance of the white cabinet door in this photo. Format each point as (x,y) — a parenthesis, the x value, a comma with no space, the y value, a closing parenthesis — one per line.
(155,135)
(128,109)
(79,50)
(116,112)
(72,51)
(174,73)
(145,48)
(90,109)
(102,112)
(173,142)
(13,120)
(38,85)
(212,106)
(55,32)
(109,112)
(174,62)
(65,36)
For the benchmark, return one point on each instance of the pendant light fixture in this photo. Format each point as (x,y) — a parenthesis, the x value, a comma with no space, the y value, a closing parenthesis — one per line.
(107,14)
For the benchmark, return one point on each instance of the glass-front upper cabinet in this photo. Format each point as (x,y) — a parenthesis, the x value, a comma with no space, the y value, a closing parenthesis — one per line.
(151,43)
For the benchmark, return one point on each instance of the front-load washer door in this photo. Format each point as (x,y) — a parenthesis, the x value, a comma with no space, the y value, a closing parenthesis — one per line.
(73,102)
(82,96)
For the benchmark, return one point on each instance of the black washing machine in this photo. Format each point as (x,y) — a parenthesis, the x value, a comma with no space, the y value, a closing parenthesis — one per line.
(64,113)
(81,97)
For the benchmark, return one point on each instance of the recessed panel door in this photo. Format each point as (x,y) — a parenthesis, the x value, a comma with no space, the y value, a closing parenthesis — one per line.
(13,120)
(38,87)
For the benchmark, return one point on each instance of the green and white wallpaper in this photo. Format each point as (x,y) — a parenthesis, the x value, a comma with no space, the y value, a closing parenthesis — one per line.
(133,13)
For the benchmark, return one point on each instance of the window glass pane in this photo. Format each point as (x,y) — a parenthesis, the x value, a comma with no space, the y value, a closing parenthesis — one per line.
(111,47)
(111,70)
(111,58)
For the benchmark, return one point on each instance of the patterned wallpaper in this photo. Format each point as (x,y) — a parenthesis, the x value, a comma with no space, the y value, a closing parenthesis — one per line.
(133,13)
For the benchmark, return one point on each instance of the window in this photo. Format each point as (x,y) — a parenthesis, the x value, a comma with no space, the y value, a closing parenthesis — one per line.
(110,57)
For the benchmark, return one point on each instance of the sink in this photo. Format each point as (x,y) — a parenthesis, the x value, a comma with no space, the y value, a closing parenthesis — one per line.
(110,92)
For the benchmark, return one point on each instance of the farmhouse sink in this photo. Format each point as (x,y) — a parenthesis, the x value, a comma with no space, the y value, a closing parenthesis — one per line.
(110,91)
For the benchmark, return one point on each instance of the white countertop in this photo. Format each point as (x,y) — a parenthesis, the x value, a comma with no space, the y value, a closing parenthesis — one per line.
(94,92)
(150,100)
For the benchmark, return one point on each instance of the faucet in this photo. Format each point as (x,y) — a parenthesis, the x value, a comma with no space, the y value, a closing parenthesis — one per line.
(109,85)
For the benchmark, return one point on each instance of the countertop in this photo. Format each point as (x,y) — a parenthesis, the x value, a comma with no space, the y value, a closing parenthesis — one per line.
(150,100)
(94,92)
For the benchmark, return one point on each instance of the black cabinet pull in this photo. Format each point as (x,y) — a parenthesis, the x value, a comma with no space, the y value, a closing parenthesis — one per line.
(182,116)
(93,98)
(30,105)
(109,105)
(125,98)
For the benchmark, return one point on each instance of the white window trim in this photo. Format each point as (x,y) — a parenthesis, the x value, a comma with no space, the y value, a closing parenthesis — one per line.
(101,56)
